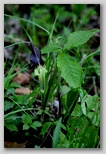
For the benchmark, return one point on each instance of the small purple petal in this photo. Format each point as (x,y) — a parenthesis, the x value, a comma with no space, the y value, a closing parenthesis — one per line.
(35,56)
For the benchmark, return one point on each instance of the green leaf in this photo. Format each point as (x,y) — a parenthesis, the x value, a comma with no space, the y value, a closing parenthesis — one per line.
(11,127)
(51,47)
(97,69)
(72,98)
(93,109)
(56,134)
(62,126)
(11,91)
(27,119)
(65,90)
(62,137)
(12,117)
(15,84)
(77,112)
(36,124)
(83,95)
(45,127)
(26,127)
(70,70)
(39,112)
(83,107)
(27,133)
(77,9)
(8,105)
(64,143)
(78,38)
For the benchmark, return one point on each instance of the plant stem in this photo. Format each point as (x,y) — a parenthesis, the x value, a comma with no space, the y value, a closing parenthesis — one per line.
(43,107)
(42,88)
(59,81)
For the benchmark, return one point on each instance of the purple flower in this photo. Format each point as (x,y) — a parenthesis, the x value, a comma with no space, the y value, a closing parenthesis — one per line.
(35,56)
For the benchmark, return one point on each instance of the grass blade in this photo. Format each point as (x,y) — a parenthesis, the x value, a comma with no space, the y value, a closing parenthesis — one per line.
(56,134)
(22,19)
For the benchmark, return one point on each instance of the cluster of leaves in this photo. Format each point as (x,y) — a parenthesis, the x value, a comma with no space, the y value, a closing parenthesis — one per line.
(78,122)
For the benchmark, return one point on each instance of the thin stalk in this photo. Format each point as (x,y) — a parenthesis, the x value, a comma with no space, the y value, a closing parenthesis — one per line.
(23,42)
(20,110)
(18,106)
(41,75)
(26,32)
(90,55)
(59,84)
(42,98)
(51,34)
(15,17)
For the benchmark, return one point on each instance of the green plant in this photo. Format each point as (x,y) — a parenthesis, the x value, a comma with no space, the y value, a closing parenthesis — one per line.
(73,78)
(76,122)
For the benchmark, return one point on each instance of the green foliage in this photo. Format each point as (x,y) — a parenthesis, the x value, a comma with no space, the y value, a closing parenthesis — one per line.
(8,105)
(72,97)
(36,124)
(93,109)
(80,133)
(51,47)
(64,142)
(77,9)
(77,112)
(69,61)
(12,127)
(56,134)
(78,38)
(71,72)
(83,95)
(45,128)
(65,90)
(27,119)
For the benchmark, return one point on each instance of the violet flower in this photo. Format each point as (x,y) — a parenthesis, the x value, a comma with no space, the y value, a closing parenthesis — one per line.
(35,57)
